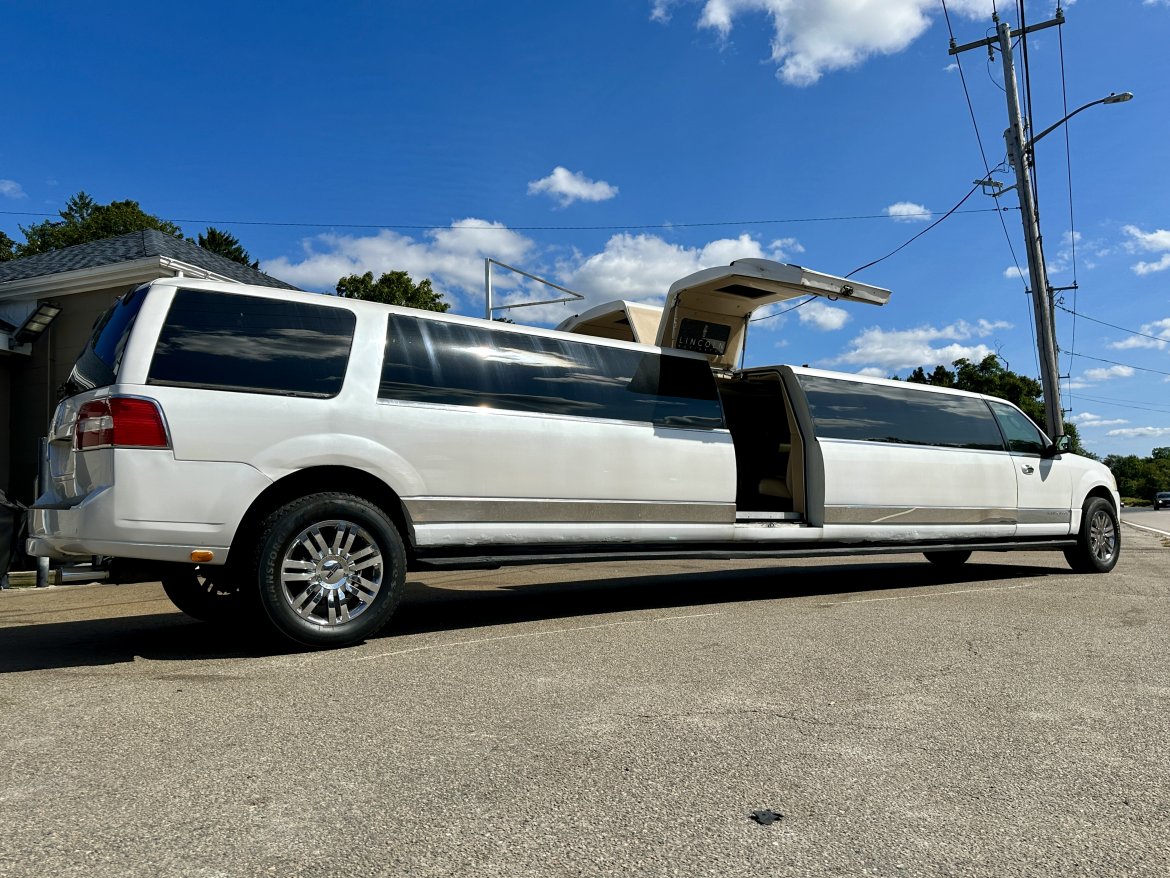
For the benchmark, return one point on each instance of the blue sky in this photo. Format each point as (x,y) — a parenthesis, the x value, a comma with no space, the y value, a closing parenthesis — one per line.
(616,145)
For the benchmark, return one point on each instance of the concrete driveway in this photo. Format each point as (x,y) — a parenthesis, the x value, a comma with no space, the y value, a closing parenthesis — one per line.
(622,719)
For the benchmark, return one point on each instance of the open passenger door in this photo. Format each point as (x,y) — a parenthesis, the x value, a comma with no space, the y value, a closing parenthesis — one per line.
(709,310)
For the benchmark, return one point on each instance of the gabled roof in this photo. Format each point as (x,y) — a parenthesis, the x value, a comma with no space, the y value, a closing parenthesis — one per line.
(128,248)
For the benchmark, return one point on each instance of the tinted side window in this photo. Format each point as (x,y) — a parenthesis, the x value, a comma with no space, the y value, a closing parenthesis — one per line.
(97,366)
(253,345)
(448,363)
(1023,436)
(876,413)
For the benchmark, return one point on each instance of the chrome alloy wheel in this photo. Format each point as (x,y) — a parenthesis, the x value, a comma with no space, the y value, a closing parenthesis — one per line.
(331,572)
(1102,536)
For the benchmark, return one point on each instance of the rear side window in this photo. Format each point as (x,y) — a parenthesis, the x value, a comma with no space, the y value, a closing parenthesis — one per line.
(452,364)
(250,344)
(97,366)
(877,413)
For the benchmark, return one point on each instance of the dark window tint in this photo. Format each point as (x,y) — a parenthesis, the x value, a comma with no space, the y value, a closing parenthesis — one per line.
(449,363)
(878,413)
(254,345)
(98,364)
(1022,435)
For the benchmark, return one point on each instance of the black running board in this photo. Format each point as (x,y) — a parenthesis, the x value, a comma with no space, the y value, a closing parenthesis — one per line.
(445,560)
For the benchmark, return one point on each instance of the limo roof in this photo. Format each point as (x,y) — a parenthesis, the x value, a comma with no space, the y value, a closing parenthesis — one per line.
(884,382)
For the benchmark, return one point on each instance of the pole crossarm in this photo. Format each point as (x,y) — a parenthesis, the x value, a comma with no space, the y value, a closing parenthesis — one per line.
(994,41)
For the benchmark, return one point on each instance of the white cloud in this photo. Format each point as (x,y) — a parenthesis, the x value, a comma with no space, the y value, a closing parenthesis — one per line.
(814,37)
(908,212)
(823,316)
(1157,241)
(568,186)
(1105,374)
(1088,419)
(872,372)
(1061,260)
(12,189)
(451,257)
(1014,272)
(1151,267)
(951,68)
(1160,328)
(1136,432)
(907,348)
(782,249)
(641,268)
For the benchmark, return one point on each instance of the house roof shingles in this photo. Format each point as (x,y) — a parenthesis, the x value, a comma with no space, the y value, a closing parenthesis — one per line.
(127,248)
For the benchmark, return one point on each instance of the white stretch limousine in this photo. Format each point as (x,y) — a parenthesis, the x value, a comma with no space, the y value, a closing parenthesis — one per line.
(291,454)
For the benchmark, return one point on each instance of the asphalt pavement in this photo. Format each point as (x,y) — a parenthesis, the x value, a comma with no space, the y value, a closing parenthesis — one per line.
(1011,718)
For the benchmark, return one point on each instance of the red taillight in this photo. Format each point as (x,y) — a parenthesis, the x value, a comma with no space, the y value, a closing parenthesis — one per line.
(120,422)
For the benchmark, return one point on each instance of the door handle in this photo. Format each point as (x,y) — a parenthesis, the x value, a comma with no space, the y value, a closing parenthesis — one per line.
(1027,469)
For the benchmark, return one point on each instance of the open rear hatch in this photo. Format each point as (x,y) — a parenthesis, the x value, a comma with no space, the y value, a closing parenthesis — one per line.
(709,310)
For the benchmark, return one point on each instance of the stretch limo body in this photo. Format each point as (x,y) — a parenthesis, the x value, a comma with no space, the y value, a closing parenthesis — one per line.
(295,453)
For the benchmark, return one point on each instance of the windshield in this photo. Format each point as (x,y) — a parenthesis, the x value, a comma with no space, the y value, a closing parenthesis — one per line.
(99,361)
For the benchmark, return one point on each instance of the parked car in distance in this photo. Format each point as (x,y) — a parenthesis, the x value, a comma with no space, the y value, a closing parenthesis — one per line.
(1161,499)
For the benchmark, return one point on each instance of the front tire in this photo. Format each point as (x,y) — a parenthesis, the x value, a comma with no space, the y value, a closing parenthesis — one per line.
(1099,541)
(331,569)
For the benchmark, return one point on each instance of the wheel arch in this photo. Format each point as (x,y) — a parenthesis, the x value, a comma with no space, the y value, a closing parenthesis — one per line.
(1105,494)
(316,480)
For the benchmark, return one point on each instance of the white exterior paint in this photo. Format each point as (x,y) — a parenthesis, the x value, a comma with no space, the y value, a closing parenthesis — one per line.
(546,480)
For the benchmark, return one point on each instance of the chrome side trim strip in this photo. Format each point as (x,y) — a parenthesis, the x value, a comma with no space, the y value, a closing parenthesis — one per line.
(1044,516)
(451,510)
(916,515)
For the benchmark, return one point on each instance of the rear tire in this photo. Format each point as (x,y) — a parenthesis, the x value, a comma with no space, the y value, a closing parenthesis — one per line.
(1099,541)
(208,594)
(949,559)
(331,569)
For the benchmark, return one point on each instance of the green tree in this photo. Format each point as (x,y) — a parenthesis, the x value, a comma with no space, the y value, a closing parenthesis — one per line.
(1162,453)
(1140,477)
(226,244)
(392,288)
(991,377)
(83,220)
(7,248)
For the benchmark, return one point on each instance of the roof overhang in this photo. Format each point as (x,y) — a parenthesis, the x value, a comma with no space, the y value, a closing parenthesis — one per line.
(85,280)
(19,298)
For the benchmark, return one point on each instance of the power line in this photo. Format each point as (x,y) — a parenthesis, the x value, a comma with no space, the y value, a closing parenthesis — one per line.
(1112,325)
(508,228)
(778,313)
(1121,403)
(919,235)
(1125,365)
(987,164)
(1072,226)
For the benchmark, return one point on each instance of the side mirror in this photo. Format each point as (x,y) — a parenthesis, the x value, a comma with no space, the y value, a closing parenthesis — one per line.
(1061,445)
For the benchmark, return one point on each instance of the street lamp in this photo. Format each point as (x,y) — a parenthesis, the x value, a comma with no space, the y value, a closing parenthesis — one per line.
(1110,99)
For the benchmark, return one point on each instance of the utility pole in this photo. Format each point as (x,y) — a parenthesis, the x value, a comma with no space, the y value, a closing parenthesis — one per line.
(1020,156)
